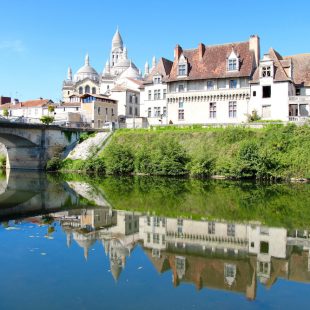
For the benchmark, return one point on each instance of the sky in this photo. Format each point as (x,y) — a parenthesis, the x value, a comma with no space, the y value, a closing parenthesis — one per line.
(39,39)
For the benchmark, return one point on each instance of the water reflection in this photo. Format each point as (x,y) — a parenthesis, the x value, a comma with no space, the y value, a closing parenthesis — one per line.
(225,254)
(214,254)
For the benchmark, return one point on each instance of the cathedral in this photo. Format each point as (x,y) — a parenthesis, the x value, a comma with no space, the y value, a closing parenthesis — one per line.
(117,69)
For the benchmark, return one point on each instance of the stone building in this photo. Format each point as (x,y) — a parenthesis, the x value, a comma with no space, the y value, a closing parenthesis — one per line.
(210,84)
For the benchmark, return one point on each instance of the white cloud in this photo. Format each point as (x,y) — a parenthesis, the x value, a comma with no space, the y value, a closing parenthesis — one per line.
(13,45)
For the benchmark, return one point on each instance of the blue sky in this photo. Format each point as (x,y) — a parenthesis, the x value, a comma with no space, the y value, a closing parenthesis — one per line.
(39,39)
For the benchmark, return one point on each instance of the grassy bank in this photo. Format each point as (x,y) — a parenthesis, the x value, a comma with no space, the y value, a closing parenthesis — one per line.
(273,152)
(270,153)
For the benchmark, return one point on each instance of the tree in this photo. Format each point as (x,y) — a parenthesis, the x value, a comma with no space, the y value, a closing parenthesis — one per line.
(51,109)
(5,112)
(46,119)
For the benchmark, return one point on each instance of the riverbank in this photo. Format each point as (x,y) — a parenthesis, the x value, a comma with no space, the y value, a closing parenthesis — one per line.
(275,152)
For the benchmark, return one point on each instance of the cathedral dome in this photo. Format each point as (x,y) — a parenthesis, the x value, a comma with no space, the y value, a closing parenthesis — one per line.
(87,71)
(131,72)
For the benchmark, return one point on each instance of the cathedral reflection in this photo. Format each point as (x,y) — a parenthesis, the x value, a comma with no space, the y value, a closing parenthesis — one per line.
(213,254)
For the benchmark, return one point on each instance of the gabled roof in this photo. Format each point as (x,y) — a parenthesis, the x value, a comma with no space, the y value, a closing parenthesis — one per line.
(210,62)
(279,65)
(163,67)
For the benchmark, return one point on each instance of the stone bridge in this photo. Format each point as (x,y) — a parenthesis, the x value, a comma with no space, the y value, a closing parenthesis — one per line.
(29,146)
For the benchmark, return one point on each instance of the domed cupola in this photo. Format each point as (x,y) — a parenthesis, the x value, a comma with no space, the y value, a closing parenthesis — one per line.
(131,72)
(117,41)
(87,71)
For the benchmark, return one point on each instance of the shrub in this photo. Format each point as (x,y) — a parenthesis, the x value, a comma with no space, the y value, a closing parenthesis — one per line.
(168,158)
(85,135)
(119,160)
(46,119)
(202,167)
(54,164)
(95,165)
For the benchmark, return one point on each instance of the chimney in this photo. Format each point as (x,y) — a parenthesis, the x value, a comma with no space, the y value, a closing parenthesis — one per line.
(177,52)
(201,50)
(254,45)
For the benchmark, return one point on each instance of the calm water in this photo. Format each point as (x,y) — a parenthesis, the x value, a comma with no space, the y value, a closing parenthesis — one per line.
(152,243)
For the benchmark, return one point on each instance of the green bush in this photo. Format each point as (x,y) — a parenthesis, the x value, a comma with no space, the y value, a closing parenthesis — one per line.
(119,160)
(202,167)
(46,119)
(95,165)
(85,135)
(54,164)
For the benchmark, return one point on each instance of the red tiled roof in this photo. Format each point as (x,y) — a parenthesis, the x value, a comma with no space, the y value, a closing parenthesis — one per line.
(213,63)
(279,65)
(27,104)
(301,68)
(163,67)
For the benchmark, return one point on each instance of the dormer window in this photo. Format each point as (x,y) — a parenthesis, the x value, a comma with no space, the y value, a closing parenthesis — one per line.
(182,66)
(157,80)
(266,71)
(233,62)
(182,69)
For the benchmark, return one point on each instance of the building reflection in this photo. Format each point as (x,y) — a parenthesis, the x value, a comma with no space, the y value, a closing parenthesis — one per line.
(213,254)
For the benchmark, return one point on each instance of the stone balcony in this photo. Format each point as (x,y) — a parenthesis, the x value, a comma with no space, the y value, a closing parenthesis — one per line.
(210,95)
(299,108)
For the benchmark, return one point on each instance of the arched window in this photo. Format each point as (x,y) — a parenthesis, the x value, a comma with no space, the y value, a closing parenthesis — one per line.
(80,90)
(93,90)
(87,89)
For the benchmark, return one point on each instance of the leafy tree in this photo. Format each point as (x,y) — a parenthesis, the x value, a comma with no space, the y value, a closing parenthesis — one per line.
(5,112)
(51,109)
(46,119)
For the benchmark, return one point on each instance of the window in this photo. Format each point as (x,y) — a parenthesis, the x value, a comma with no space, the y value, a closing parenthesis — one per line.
(136,99)
(181,104)
(264,247)
(99,123)
(112,110)
(254,93)
(150,95)
(164,111)
(156,94)
(297,91)
(210,85)
(181,114)
(211,228)
(212,109)
(130,98)
(87,89)
(156,111)
(148,220)
(164,93)
(233,84)
(180,88)
(130,110)
(266,71)
(180,222)
(163,240)
(93,91)
(266,91)
(157,80)
(98,110)
(149,112)
(136,111)
(156,238)
(231,230)
(148,237)
(232,109)
(252,244)
(182,69)
(156,221)
(108,87)
(80,90)
(232,64)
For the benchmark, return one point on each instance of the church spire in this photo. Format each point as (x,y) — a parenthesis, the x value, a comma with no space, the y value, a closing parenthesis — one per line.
(69,76)
(87,60)
(154,62)
(146,68)
(107,67)
(117,41)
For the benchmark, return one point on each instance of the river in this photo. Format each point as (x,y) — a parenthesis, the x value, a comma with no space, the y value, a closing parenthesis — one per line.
(78,242)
